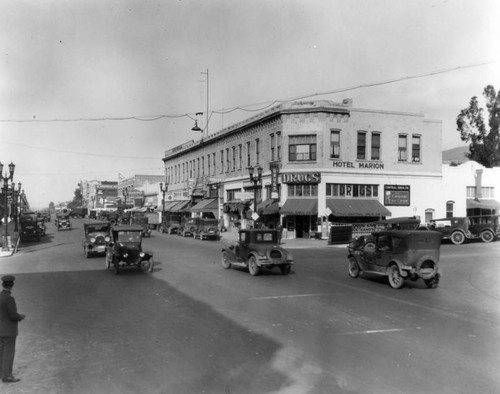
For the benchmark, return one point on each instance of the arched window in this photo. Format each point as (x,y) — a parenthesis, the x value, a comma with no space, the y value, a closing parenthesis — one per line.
(429,215)
(449,208)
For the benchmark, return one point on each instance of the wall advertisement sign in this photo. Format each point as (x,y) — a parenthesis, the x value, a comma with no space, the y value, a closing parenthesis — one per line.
(397,195)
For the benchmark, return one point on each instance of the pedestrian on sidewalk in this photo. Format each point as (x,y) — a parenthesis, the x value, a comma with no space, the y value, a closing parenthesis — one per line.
(9,317)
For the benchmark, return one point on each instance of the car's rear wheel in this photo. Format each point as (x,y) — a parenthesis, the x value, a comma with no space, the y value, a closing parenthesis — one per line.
(353,267)
(253,268)
(395,279)
(487,236)
(285,269)
(457,238)
(226,263)
(432,283)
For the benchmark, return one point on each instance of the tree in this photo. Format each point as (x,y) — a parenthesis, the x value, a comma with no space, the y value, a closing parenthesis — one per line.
(484,138)
(77,199)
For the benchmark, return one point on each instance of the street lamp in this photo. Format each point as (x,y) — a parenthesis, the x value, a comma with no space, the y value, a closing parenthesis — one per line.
(15,195)
(6,179)
(256,181)
(163,189)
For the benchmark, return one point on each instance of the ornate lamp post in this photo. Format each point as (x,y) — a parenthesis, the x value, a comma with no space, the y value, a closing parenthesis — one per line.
(163,189)
(256,181)
(16,196)
(6,179)
(125,194)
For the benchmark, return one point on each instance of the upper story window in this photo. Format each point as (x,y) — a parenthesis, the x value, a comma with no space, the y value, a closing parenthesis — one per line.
(449,208)
(415,149)
(335,144)
(213,161)
(234,158)
(208,165)
(221,161)
(228,162)
(272,147)
(278,145)
(249,161)
(257,151)
(361,146)
(486,192)
(402,147)
(302,148)
(375,154)
(240,153)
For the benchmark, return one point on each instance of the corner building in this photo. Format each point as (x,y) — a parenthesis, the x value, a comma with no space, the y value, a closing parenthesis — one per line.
(324,163)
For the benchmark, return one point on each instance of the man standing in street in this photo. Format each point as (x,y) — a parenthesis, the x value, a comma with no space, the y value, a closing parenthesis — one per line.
(8,329)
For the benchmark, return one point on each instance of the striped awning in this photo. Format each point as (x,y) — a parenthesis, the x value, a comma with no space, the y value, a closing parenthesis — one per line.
(206,205)
(300,206)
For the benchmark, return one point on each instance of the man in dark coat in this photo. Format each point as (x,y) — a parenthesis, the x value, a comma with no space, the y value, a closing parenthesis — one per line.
(8,329)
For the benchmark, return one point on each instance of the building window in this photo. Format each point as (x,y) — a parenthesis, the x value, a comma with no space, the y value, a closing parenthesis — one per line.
(278,147)
(213,161)
(272,147)
(228,162)
(302,190)
(449,208)
(361,146)
(230,194)
(335,144)
(415,149)
(257,151)
(302,148)
(221,161)
(486,192)
(240,159)
(249,162)
(251,190)
(351,190)
(402,148)
(375,146)
(208,166)
(234,158)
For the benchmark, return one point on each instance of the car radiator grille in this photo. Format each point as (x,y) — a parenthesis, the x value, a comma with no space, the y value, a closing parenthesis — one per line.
(275,254)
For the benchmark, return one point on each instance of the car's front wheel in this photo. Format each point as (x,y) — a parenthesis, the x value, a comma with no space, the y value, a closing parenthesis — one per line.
(457,238)
(395,279)
(226,264)
(253,268)
(487,236)
(353,267)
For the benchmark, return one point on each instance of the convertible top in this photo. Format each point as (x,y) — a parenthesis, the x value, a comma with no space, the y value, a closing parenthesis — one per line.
(127,228)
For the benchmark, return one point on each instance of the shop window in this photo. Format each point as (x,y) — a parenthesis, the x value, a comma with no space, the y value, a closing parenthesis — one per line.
(302,148)
(375,154)
(449,208)
(402,148)
(230,194)
(415,149)
(351,190)
(303,190)
(361,146)
(335,144)
(251,190)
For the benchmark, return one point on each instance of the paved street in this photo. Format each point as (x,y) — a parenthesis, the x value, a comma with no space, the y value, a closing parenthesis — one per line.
(193,327)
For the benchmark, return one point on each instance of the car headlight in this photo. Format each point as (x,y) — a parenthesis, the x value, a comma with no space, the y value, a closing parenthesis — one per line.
(92,239)
(142,254)
(107,239)
(125,255)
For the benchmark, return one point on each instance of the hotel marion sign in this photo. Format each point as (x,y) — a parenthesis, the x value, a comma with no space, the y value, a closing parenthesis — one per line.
(362,164)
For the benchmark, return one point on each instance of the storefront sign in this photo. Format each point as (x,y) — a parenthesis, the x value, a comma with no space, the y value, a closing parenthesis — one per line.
(397,195)
(301,178)
(362,165)
(274,167)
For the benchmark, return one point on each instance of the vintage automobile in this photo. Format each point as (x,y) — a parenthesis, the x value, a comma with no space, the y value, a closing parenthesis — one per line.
(485,227)
(187,227)
(125,249)
(96,235)
(142,221)
(42,228)
(62,221)
(29,229)
(207,229)
(455,229)
(399,255)
(170,223)
(399,223)
(257,249)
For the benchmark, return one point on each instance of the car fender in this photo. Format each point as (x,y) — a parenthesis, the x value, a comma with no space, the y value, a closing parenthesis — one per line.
(403,272)
(230,253)
(257,258)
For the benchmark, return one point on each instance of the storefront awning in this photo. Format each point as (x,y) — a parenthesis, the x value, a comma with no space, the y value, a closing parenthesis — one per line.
(235,206)
(207,205)
(180,206)
(268,207)
(482,204)
(168,205)
(300,206)
(356,207)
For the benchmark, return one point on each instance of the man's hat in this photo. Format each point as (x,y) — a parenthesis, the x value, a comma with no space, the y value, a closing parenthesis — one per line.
(8,280)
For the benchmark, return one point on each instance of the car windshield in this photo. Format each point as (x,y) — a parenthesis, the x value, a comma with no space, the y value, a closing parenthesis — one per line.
(129,236)
(264,237)
(98,229)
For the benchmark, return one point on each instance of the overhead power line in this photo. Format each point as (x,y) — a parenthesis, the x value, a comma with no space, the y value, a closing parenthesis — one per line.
(252,107)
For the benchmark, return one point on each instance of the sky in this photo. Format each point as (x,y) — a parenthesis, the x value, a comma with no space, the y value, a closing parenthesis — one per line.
(94,90)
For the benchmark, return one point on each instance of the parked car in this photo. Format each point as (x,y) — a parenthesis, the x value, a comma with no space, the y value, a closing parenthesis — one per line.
(455,229)
(188,227)
(125,249)
(62,221)
(485,227)
(399,223)
(79,212)
(29,229)
(96,235)
(142,221)
(399,255)
(42,228)
(170,223)
(257,249)
(44,215)
(207,229)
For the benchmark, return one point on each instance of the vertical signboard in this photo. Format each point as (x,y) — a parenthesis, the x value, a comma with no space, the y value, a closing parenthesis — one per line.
(274,167)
